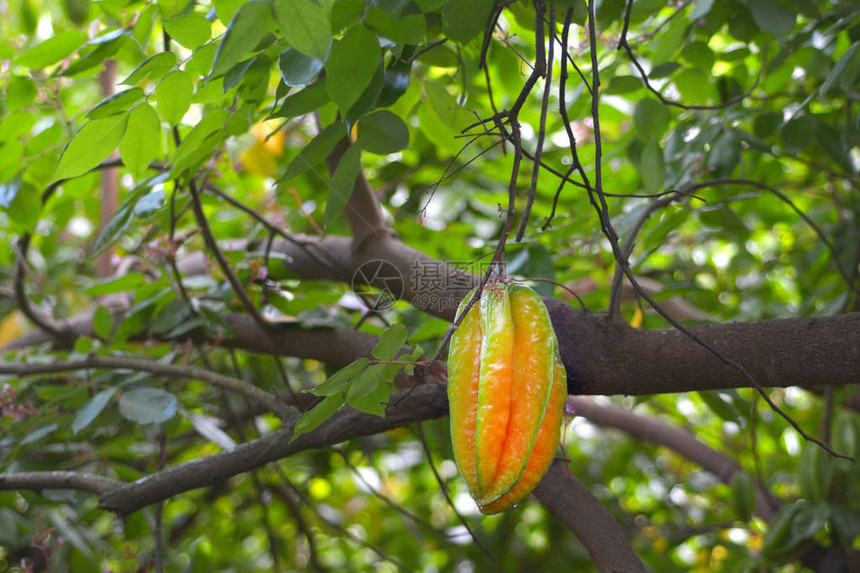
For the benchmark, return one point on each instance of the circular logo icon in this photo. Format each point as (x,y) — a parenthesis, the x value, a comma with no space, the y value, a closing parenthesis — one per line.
(378,284)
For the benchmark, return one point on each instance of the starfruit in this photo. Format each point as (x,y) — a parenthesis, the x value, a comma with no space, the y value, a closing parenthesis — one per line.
(506,392)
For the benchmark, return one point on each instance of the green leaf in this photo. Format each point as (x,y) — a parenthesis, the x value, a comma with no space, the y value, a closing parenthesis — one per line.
(367,100)
(173,314)
(52,50)
(251,23)
(446,107)
(651,119)
(409,29)
(122,283)
(226,9)
(663,70)
(153,68)
(375,402)
(83,345)
(846,435)
(150,203)
(397,77)
(201,141)
(122,217)
(669,41)
(91,145)
(413,356)
(353,61)
(120,102)
(340,380)
(16,124)
(24,206)
(147,405)
(311,419)
(766,124)
(142,142)
(173,96)
(8,191)
(91,409)
(391,341)
(701,9)
(21,91)
(345,13)
(772,16)
(651,167)
(845,524)
(531,260)
(102,322)
(725,154)
(365,383)
(797,134)
(304,101)
(297,69)
(721,402)
(191,30)
(342,184)
(38,434)
(845,69)
(106,46)
(778,534)
(808,521)
(382,133)
(305,25)
(743,495)
(622,85)
(463,20)
(314,152)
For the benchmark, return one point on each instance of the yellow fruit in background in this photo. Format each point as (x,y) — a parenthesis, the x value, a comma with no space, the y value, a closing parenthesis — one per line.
(11,327)
(262,157)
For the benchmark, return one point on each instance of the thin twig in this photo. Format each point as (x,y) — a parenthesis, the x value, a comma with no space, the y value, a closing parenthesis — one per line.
(834,253)
(444,489)
(212,245)
(547,64)
(21,297)
(170,370)
(624,44)
(621,260)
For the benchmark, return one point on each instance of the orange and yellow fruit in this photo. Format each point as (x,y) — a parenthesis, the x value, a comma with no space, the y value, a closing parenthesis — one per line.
(506,392)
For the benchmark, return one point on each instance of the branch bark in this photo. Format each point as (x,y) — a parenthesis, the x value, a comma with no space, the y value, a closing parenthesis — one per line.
(607,357)
(651,429)
(407,406)
(572,503)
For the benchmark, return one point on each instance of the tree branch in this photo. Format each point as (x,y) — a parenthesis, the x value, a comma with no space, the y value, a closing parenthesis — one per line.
(407,406)
(651,429)
(606,357)
(572,503)
(362,212)
(38,481)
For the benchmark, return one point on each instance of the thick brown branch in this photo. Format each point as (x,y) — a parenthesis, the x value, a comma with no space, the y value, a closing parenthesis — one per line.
(601,356)
(408,406)
(605,357)
(38,481)
(572,503)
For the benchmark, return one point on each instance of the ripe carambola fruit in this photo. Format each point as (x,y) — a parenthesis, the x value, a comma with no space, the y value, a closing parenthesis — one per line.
(506,392)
